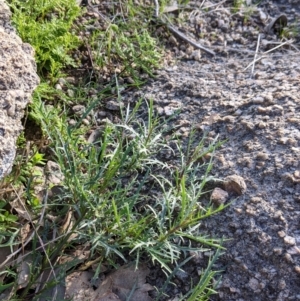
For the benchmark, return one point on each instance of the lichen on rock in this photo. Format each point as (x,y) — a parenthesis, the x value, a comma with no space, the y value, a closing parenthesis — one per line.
(18,79)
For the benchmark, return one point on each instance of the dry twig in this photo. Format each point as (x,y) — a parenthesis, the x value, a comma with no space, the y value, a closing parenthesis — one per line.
(256,52)
(258,59)
(178,33)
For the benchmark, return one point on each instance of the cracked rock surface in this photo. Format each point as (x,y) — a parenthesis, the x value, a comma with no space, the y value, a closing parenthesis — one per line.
(18,79)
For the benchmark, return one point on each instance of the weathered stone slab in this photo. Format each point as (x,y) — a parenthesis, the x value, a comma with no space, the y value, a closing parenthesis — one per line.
(18,79)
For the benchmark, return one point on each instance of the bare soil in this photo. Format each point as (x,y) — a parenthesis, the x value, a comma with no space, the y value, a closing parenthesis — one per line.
(256,110)
(248,96)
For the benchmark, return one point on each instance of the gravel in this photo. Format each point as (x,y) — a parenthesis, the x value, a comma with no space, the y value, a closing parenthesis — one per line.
(256,111)
(254,108)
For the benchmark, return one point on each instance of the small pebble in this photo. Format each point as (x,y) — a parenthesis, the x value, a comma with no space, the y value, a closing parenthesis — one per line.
(114,105)
(289,240)
(288,257)
(219,196)
(294,250)
(169,111)
(196,55)
(58,87)
(254,284)
(61,82)
(72,122)
(297,269)
(78,109)
(281,284)
(281,233)
(182,275)
(70,93)
(235,184)
(85,121)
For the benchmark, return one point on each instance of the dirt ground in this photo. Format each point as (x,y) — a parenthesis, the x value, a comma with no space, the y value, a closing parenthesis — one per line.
(255,108)
(247,95)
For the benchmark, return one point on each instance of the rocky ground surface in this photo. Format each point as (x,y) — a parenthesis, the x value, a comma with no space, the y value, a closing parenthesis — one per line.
(255,108)
(259,119)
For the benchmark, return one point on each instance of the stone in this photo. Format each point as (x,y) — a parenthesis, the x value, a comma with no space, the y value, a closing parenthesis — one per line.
(169,111)
(96,135)
(254,285)
(58,87)
(114,105)
(182,275)
(18,79)
(289,240)
(61,81)
(219,196)
(294,250)
(235,184)
(78,110)
(53,173)
(71,93)
(196,55)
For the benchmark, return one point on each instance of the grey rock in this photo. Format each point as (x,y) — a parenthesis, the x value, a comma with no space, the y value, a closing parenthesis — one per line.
(289,240)
(71,93)
(72,122)
(235,184)
(254,285)
(18,79)
(53,173)
(78,110)
(96,135)
(58,87)
(62,82)
(219,196)
(196,55)
(169,111)
(114,105)
(182,275)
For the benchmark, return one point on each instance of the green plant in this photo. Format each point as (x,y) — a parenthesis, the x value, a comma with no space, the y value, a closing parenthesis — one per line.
(107,208)
(26,171)
(126,44)
(47,25)
(244,8)
(5,216)
(237,4)
(290,31)
(117,196)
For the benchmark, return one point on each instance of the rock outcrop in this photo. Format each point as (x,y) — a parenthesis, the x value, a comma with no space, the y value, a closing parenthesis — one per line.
(18,79)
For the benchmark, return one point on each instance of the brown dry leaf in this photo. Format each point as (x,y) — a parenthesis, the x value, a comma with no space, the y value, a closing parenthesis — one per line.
(123,281)
(80,254)
(67,223)
(25,232)
(19,208)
